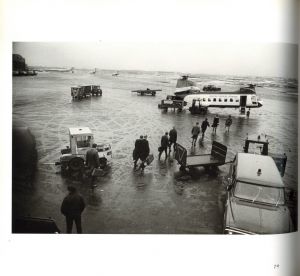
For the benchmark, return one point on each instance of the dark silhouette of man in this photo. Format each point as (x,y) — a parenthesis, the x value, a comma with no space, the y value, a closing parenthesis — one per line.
(138,149)
(204,126)
(92,162)
(164,143)
(195,133)
(72,207)
(172,138)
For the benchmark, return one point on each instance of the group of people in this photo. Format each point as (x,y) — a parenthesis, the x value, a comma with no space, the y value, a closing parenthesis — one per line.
(196,129)
(167,141)
(141,151)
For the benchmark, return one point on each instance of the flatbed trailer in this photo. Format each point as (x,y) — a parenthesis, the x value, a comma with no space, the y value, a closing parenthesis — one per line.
(173,102)
(216,158)
(142,92)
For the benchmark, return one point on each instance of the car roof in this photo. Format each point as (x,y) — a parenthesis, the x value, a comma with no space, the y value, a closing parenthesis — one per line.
(248,166)
(80,131)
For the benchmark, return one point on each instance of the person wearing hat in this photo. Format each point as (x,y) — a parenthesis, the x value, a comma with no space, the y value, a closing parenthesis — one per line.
(72,207)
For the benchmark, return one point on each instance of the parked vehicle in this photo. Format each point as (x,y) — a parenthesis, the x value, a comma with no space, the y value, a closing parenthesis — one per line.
(211,87)
(172,102)
(81,140)
(84,91)
(255,202)
(142,92)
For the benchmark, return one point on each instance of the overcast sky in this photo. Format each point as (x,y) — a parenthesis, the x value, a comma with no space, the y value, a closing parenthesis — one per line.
(239,37)
(197,57)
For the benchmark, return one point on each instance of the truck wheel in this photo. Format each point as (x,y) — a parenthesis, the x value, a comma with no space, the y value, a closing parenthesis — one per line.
(76,164)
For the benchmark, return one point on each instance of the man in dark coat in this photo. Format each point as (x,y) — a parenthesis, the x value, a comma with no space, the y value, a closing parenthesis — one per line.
(72,207)
(195,133)
(204,126)
(164,143)
(215,123)
(138,151)
(92,162)
(145,150)
(172,139)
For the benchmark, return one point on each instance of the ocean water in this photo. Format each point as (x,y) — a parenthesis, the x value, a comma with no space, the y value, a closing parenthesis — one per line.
(44,103)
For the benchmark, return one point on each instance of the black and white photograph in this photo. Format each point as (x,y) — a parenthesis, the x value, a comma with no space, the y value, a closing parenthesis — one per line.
(149,137)
(118,150)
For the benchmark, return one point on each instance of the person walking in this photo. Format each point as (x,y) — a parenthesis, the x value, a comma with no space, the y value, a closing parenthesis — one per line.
(164,142)
(195,133)
(72,207)
(215,123)
(172,138)
(204,126)
(137,152)
(228,123)
(92,162)
(145,150)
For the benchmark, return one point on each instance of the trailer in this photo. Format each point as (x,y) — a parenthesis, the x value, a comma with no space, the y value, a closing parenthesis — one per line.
(216,158)
(173,102)
(142,92)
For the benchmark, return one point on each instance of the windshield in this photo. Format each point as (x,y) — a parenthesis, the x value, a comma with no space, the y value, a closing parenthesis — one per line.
(256,193)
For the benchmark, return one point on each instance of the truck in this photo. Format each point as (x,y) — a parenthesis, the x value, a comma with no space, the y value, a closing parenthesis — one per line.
(81,139)
(84,91)
(173,102)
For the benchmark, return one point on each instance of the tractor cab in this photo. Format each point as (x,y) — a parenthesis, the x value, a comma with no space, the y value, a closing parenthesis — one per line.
(260,145)
(81,139)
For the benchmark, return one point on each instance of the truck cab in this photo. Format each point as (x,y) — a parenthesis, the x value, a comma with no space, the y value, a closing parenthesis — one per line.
(81,140)
(255,201)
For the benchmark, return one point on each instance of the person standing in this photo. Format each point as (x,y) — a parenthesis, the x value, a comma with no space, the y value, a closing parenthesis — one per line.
(164,143)
(172,138)
(72,207)
(92,162)
(215,123)
(204,126)
(228,123)
(195,133)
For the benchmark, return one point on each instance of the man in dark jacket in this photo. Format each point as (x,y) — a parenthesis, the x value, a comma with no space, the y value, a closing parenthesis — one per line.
(92,161)
(72,207)
(172,139)
(164,143)
(195,133)
(138,151)
(204,126)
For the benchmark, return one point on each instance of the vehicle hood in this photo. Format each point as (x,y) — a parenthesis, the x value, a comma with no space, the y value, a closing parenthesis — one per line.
(258,218)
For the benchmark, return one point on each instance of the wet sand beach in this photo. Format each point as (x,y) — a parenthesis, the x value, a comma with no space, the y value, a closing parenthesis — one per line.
(157,201)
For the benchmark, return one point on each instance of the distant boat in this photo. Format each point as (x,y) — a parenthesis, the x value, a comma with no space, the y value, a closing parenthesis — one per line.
(115,74)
